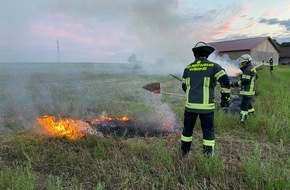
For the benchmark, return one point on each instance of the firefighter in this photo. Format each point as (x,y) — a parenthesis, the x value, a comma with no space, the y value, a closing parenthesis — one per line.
(198,82)
(247,84)
(271,64)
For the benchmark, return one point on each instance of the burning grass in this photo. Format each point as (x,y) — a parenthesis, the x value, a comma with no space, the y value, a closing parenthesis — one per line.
(103,126)
(254,156)
(71,128)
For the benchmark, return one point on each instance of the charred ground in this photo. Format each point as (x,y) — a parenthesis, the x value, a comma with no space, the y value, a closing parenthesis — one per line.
(254,156)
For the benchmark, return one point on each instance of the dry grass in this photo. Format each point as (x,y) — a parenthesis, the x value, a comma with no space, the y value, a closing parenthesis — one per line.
(256,156)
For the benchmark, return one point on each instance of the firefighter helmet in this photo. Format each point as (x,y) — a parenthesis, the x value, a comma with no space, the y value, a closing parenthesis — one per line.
(244,58)
(202,47)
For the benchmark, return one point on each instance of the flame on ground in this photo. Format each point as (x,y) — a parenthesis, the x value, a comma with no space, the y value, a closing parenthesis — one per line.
(74,129)
(106,118)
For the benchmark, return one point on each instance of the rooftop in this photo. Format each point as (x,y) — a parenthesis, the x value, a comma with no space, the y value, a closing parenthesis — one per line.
(241,44)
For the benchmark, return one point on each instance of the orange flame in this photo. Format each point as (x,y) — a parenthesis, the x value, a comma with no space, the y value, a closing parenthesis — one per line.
(234,72)
(106,118)
(123,118)
(74,129)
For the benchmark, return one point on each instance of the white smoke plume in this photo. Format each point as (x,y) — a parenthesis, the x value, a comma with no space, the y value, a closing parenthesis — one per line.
(230,66)
(164,33)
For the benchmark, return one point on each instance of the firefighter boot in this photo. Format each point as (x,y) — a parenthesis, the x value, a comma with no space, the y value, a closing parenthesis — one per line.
(243,118)
(185,147)
(208,150)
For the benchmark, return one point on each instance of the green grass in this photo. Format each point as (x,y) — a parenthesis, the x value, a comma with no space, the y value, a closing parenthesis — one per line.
(254,156)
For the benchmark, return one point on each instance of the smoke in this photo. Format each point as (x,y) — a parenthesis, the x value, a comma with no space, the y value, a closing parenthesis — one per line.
(226,63)
(156,32)
(80,91)
(113,30)
(172,65)
(160,116)
(163,34)
(153,30)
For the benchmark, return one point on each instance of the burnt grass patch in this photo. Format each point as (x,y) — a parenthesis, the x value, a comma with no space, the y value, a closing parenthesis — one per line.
(133,129)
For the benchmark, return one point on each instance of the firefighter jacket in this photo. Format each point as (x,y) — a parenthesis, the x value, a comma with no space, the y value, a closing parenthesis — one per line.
(199,80)
(271,62)
(247,81)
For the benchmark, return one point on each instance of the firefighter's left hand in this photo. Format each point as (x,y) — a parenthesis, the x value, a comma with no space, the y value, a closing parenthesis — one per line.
(225,100)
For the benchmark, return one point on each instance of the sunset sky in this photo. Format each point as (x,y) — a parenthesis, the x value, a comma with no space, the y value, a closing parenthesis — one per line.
(111,31)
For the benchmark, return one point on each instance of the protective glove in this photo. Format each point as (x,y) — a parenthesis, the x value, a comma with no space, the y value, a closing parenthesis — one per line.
(234,84)
(225,100)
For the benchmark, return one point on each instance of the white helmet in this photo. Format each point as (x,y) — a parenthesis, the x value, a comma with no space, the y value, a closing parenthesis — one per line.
(244,58)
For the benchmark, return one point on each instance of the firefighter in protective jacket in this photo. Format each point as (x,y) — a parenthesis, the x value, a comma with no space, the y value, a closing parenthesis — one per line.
(247,84)
(271,64)
(198,82)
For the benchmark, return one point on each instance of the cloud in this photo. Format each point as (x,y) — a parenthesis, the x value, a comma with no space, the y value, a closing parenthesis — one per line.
(270,13)
(273,21)
(151,29)
(225,18)
(148,27)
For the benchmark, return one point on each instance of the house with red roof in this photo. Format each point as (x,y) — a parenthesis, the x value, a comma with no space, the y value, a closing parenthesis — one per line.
(261,49)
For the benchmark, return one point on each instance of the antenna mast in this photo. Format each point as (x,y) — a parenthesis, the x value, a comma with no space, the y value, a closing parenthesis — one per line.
(58,53)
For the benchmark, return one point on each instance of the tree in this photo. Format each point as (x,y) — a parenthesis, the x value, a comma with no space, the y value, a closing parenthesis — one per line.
(132,58)
(285,44)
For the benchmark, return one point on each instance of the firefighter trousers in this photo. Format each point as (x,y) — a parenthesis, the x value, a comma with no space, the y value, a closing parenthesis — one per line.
(246,107)
(207,126)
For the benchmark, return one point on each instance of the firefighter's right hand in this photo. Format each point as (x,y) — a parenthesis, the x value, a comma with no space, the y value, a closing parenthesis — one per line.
(234,84)
(224,104)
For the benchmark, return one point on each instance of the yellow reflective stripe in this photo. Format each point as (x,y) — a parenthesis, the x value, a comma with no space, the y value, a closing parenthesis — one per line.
(247,93)
(254,70)
(244,112)
(206,82)
(225,90)
(186,139)
(251,110)
(208,142)
(251,91)
(219,74)
(200,106)
(183,80)
(246,77)
(187,82)
(252,85)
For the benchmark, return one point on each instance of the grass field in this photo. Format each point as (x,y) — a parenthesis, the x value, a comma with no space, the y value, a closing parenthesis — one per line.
(254,156)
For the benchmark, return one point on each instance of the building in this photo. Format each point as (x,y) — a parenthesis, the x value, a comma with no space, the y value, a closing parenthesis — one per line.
(284,56)
(261,49)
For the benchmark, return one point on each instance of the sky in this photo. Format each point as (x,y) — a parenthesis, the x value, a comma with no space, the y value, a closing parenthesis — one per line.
(112,31)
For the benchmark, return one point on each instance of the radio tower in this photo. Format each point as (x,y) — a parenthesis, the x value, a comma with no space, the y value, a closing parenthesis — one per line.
(58,53)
